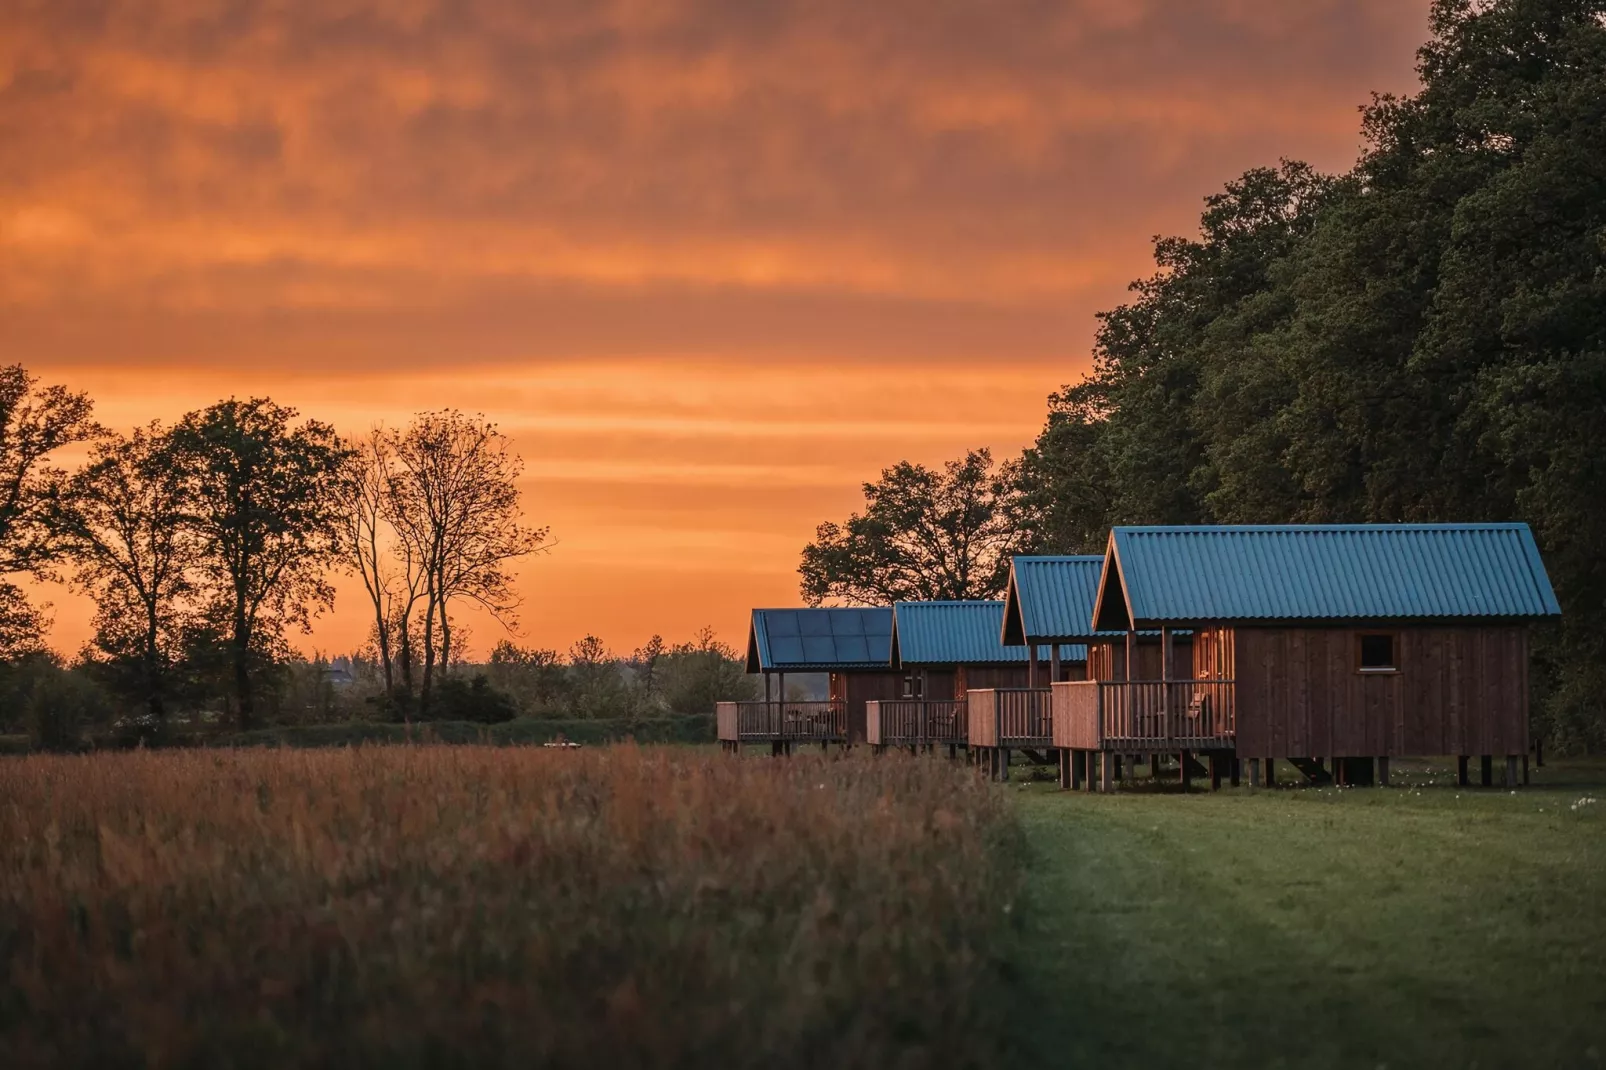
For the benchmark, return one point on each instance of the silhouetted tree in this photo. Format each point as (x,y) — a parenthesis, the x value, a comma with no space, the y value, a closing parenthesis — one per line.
(123,518)
(264,505)
(454,503)
(923,535)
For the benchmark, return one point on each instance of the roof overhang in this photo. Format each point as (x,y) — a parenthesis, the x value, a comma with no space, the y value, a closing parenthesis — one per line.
(1014,633)
(1112,611)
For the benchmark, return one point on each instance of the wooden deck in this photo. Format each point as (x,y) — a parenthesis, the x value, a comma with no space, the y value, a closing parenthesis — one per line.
(914,722)
(1008,717)
(1144,716)
(781,722)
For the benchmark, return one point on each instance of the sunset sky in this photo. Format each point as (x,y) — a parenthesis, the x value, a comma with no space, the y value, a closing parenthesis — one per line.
(711,264)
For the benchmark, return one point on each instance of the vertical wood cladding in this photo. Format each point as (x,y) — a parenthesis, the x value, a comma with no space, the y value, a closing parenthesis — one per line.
(857,688)
(1458,690)
(1106,659)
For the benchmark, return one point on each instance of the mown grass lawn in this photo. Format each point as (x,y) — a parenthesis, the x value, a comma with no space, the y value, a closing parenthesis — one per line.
(1419,925)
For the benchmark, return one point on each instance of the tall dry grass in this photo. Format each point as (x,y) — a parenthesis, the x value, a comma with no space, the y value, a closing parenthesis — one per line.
(415,906)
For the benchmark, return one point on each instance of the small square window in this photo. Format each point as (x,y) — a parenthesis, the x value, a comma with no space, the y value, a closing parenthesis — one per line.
(1375,653)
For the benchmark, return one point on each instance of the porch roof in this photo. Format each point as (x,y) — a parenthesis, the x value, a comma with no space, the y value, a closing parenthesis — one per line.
(848,639)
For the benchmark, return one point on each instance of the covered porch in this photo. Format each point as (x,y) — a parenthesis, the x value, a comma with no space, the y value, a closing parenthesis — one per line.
(782,724)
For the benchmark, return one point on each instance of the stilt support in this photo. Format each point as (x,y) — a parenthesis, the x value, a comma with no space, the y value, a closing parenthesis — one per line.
(1383,772)
(1461,777)
(1486,770)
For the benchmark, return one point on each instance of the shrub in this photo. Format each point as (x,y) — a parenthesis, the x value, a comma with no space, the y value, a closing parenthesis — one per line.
(457,699)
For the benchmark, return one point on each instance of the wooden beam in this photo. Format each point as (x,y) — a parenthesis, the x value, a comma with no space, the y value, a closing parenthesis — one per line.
(1053,663)
(1215,771)
(1078,762)
(1106,771)
(1185,775)
(1271,773)
(1486,769)
(1383,772)
(1461,777)
(1511,772)
(1254,772)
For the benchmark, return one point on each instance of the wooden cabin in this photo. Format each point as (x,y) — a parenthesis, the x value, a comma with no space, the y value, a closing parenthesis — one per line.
(1333,647)
(852,645)
(944,650)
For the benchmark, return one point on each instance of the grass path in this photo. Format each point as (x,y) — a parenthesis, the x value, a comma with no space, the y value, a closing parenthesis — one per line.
(1403,927)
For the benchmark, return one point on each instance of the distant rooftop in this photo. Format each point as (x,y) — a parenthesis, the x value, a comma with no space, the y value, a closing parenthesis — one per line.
(1050,599)
(961,633)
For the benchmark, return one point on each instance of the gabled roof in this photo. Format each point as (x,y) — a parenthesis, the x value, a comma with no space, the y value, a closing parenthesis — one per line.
(960,633)
(819,640)
(1050,599)
(1331,572)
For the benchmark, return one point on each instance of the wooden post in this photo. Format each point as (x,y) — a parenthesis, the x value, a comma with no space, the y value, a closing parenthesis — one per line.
(1461,778)
(1254,772)
(1525,770)
(1064,764)
(1215,771)
(1486,769)
(1233,766)
(1106,771)
(1154,767)
(1383,771)
(1511,772)
(1053,663)
(1003,763)
(1120,767)
(1031,665)
(1078,768)
(1184,774)
(1271,773)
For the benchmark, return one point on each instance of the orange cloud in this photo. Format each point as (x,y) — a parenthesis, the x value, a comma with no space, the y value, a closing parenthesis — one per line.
(711,263)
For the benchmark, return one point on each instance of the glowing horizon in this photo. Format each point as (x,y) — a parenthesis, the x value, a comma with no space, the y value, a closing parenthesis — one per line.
(710,268)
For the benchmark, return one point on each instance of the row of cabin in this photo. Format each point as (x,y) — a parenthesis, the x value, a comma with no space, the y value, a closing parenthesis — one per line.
(1348,643)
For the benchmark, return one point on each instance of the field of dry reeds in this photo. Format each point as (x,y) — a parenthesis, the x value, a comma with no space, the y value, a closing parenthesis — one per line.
(415,906)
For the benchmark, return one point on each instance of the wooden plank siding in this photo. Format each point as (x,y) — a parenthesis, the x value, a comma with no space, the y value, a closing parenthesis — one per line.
(1458,690)
(1106,659)
(854,689)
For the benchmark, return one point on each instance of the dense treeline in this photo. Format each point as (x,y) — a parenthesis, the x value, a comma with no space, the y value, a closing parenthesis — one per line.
(205,543)
(1422,338)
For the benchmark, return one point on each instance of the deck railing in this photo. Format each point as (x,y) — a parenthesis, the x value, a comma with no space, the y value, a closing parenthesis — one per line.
(811,722)
(1144,715)
(1008,717)
(914,722)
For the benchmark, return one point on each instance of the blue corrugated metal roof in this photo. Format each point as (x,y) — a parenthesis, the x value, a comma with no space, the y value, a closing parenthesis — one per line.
(819,640)
(960,633)
(1325,572)
(1050,598)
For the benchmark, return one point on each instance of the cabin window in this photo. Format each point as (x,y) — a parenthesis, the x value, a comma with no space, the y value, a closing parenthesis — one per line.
(1377,652)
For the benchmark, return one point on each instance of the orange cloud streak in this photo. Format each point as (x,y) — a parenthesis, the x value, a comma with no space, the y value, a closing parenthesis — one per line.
(711,264)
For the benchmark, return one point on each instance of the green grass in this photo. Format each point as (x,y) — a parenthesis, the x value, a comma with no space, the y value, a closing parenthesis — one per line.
(1419,925)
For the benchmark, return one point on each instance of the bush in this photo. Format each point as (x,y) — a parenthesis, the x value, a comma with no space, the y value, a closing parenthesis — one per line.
(61,708)
(456,699)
